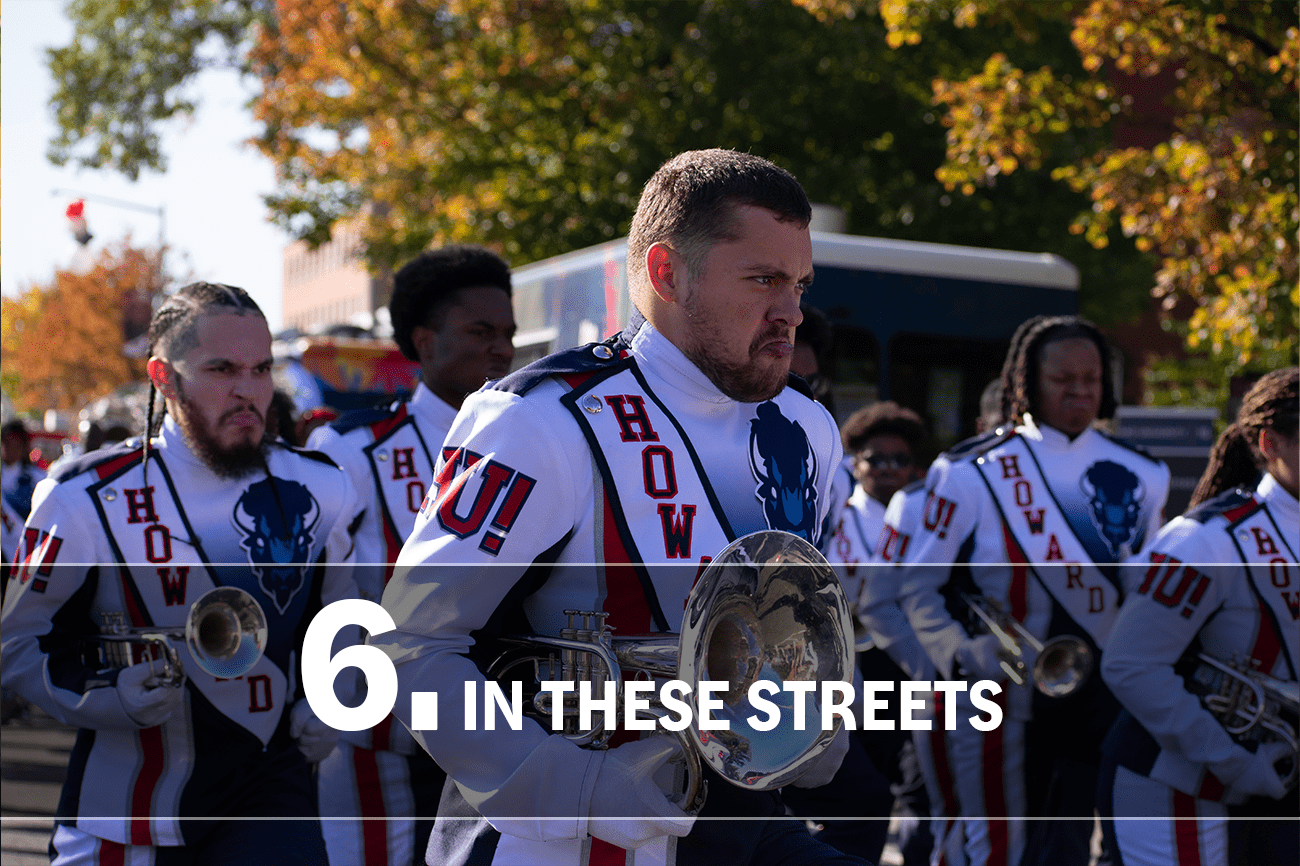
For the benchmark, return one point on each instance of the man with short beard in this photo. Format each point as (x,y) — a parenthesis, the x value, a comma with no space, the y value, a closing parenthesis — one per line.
(576,482)
(144,529)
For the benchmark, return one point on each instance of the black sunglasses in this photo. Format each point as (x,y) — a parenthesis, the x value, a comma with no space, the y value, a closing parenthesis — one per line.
(887,461)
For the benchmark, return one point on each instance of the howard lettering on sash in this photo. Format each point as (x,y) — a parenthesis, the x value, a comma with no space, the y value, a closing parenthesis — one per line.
(651,474)
(402,469)
(1274,574)
(1034,519)
(165,571)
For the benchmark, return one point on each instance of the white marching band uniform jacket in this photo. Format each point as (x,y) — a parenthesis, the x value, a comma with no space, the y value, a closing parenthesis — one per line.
(879,607)
(850,548)
(568,485)
(106,535)
(389,453)
(1223,577)
(1041,519)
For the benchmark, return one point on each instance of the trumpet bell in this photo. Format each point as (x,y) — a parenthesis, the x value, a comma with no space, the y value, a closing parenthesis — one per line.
(1062,666)
(768,607)
(226,632)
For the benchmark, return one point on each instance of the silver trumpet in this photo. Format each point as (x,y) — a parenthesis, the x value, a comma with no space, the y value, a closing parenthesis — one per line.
(225,631)
(1251,705)
(1060,666)
(768,607)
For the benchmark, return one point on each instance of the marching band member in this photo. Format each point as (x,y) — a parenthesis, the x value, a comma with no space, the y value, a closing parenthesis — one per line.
(451,312)
(1033,520)
(880,611)
(575,482)
(1220,580)
(144,529)
(882,445)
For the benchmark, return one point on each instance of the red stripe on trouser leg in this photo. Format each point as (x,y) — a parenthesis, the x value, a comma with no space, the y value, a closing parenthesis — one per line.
(995,799)
(111,853)
(1186,838)
(606,853)
(370,797)
(943,779)
(381,735)
(151,769)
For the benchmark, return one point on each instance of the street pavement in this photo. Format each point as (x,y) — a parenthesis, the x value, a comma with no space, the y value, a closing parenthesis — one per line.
(34,756)
(33,760)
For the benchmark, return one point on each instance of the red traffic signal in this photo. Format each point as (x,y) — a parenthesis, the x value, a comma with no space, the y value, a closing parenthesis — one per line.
(77,219)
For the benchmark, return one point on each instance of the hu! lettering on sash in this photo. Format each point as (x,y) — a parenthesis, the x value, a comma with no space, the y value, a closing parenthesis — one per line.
(493,478)
(938,513)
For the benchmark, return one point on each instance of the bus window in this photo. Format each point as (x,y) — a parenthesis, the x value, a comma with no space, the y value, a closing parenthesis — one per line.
(942,378)
(855,375)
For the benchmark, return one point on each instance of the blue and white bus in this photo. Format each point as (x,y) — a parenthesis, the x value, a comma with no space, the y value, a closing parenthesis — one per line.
(926,325)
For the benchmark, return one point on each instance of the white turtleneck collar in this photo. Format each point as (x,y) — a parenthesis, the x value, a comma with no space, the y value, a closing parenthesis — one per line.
(428,406)
(1283,505)
(171,441)
(1052,438)
(666,363)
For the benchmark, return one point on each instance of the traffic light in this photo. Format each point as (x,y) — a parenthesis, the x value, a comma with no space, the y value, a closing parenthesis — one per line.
(77,220)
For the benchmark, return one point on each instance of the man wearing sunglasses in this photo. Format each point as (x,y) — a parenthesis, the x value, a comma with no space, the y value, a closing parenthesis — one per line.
(882,440)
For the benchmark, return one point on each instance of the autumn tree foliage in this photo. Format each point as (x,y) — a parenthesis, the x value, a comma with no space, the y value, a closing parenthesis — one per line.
(530,126)
(508,123)
(128,68)
(1215,200)
(63,342)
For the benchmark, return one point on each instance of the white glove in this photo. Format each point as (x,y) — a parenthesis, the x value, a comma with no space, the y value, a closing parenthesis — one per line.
(979,657)
(1260,777)
(827,764)
(628,808)
(148,706)
(315,738)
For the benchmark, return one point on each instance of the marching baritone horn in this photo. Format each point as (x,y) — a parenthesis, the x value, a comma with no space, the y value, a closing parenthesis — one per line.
(1060,666)
(225,631)
(768,607)
(1251,705)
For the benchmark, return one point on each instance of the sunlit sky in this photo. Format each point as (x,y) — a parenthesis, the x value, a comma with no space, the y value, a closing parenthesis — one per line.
(215,223)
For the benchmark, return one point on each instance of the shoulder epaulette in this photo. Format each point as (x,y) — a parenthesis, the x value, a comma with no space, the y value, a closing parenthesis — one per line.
(357,418)
(969,449)
(582,359)
(119,454)
(1234,504)
(1136,449)
(568,362)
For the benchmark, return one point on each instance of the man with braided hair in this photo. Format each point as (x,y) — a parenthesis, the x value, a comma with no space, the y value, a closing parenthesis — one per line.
(1222,580)
(1034,519)
(140,531)
(451,313)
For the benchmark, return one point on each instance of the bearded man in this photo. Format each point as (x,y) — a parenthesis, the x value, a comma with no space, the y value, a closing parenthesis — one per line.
(577,482)
(137,533)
